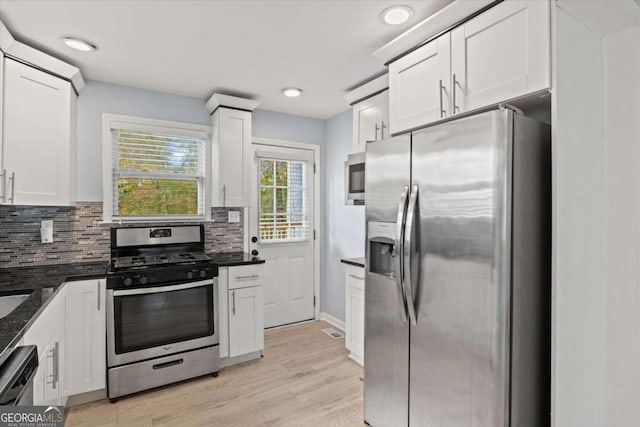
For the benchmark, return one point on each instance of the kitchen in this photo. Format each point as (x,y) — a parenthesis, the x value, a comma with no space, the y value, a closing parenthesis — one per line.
(217,174)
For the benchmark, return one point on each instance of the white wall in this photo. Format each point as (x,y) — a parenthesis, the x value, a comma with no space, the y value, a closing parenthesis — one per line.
(98,98)
(344,229)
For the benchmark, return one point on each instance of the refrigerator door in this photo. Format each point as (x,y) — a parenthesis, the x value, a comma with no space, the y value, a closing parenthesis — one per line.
(386,345)
(459,345)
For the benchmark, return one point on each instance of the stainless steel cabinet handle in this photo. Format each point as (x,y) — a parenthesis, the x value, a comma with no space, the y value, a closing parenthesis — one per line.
(443,113)
(251,277)
(356,277)
(376,134)
(4,185)
(409,254)
(98,290)
(398,251)
(382,130)
(455,106)
(54,354)
(224,195)
(233,306)
(13,187)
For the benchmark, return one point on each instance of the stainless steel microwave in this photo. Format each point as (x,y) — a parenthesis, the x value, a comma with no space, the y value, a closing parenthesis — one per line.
(354,179)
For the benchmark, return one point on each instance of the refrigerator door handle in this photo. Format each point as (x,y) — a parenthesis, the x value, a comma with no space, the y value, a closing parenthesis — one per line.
(409,255)
(398,251)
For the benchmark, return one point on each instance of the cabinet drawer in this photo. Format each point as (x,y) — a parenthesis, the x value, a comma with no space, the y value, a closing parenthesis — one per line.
(354,277)
(245,276)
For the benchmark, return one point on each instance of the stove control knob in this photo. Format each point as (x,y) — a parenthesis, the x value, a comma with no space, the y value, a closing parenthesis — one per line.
(189,274)
(143,280)
(202,273)
(127,281)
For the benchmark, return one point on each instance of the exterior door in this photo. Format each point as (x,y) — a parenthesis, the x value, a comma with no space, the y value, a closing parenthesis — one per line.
(281,226)
(459,353)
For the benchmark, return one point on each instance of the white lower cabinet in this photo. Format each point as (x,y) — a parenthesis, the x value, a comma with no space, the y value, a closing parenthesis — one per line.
(354,312)
(86,336)
(49,335)
(241,312)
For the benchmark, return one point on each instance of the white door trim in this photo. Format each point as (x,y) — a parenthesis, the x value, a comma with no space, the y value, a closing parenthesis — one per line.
(316,209)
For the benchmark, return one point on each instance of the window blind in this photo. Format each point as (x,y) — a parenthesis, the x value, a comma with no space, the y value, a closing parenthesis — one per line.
(157,173)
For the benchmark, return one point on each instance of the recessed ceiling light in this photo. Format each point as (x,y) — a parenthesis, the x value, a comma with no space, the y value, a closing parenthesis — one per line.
(396,15)
(291,92)
(78,44)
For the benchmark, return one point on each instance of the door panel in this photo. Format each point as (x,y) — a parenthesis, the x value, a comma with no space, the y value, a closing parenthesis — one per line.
(414,85)
(501,54)
(459,347)
(282,221)
(386,344)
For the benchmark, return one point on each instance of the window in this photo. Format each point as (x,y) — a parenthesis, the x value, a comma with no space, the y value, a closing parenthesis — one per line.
(154,170)
(283,200)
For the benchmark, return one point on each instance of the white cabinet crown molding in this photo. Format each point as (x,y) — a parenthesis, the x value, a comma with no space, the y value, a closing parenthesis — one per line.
(440,21)
(368,89)
(220,100)
(20,51)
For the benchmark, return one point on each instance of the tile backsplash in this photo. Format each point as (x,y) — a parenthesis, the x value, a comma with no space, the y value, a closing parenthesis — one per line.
(80,237)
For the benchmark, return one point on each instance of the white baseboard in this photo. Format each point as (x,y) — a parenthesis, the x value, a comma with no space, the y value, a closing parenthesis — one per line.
(332,320)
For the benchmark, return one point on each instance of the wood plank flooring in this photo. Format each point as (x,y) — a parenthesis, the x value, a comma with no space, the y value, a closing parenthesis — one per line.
(304,379)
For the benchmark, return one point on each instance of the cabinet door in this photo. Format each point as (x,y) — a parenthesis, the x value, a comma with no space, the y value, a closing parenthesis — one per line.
(383,114)
(232,146)
(419,85)
(246,321)
(354,312)
(86,332)
(366,124)
(223,310)
(501,54)
(37,139)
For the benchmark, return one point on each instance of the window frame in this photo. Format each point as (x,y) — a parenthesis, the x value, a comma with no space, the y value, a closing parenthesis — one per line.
(116,121)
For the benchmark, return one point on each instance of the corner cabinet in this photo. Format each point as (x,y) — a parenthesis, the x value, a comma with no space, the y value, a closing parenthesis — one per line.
(370,121)
(241,313)
(86,336)
(231,160)
(502,54)
(48,333)
(354,312)
(38,134)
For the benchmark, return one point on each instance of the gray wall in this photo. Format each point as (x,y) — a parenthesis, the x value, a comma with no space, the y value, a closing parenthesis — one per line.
(343,225)
(98,98)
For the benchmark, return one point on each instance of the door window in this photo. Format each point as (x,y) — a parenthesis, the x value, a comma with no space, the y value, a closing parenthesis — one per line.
(283,201)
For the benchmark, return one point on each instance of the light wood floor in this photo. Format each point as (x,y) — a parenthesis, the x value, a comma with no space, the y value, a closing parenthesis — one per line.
(304,379)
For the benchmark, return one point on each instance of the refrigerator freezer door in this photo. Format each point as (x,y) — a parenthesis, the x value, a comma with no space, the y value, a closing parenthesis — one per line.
(459,347)
(386,345)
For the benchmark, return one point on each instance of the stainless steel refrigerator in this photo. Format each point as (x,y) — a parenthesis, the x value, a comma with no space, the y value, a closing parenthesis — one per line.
(457,292)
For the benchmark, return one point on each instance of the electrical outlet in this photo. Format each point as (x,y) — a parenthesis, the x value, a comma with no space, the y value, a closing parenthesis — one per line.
(46,231)
(234,217)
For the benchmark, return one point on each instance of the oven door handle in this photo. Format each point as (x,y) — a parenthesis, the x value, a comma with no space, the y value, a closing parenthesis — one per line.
(157,289)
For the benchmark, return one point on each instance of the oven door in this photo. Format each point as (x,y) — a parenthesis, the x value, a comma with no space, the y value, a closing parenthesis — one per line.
(145,323)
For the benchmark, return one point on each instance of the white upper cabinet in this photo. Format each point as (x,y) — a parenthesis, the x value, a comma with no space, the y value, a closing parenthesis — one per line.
(501,54)
(419,85)
(38,137)
(370,120)
(231,150)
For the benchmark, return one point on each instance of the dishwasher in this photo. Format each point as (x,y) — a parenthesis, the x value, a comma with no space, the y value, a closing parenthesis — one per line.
(16,376)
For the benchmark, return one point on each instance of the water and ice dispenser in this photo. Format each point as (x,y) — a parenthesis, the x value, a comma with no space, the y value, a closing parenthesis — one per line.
(381,242)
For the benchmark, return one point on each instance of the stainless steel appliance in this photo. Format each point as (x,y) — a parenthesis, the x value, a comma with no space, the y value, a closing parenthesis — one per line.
(354,182)
(16,376)
(162,308)
(457,295)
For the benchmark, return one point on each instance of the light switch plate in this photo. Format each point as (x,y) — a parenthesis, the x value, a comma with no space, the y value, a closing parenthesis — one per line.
(234,217)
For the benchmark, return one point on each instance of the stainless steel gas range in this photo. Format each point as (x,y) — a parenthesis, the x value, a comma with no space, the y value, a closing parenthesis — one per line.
(162,308)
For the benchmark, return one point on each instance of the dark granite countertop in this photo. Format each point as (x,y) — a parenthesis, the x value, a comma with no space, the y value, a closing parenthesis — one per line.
(232,259)
(358,262)
(43,282)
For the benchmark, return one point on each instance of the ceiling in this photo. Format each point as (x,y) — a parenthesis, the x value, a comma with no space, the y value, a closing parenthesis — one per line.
(246,48)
